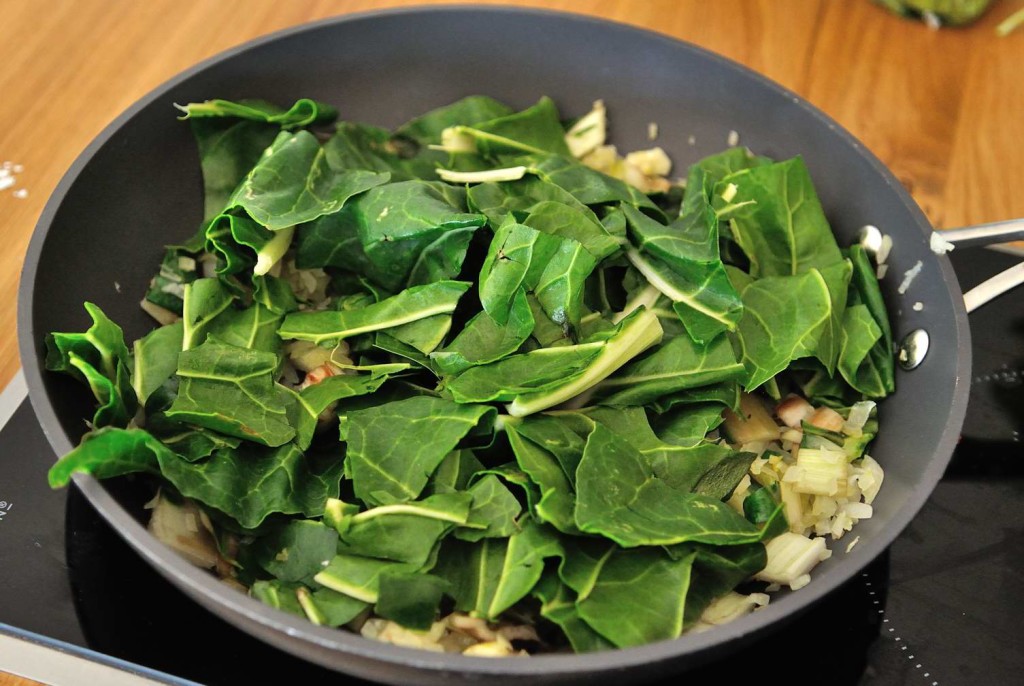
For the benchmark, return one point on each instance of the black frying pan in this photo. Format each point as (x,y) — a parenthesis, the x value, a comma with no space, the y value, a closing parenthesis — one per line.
(137,187)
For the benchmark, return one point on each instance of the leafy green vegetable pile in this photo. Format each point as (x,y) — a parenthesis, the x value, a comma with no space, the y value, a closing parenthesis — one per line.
(527,374)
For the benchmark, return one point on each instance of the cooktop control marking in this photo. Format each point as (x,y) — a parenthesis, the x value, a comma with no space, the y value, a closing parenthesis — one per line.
(5,507)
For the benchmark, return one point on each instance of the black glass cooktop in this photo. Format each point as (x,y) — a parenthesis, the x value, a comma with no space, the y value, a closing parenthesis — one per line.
(943,606)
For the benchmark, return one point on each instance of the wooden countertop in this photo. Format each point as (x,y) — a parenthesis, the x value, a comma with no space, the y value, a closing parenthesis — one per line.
(941,108)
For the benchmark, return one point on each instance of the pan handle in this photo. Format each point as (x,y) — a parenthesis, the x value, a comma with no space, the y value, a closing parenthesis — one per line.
(987,234)
(982,234)
(914,347)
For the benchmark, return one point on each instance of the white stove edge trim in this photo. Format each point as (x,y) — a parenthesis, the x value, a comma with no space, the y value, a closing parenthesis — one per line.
(12,397)
(54,663)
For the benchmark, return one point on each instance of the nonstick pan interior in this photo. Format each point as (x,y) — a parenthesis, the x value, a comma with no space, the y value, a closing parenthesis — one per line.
(138,187)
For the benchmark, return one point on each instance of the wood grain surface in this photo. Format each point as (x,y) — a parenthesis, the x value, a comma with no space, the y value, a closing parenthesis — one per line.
(12,680)
(942,108)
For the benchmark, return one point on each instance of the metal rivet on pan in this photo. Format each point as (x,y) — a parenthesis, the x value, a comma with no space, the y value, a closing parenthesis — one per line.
(913,349)
(870,238)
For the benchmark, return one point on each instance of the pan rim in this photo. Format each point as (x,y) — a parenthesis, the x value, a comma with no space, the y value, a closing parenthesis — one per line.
(196,582)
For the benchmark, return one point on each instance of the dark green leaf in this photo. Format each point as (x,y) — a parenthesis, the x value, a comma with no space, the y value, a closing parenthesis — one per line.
(327,607)
(228,148)
(454,473)
(98,358)
(253,327)
(468,111)
(717,167)
(589,186)
(721,479)
(297,550)
(499,201)
(558,605)
(517,375)
(687,425)
(235,239)
(686,265)
(101,346)
(410,305)
(535,129)
(277,595)
(359,577)
(583,561)
(558,219)
(411,600)
(676,365)
(205,300)
(394,448)
(422,335)
(303,113)
(564,436)
(705,468)
(762,508)
(783,320)
(873,374)
(494,574)
(702,300)
(251,482)
(406,532)
(483,340)
(619,495)
(358,146)
(106,453)
(559,290)
(515,261)
(313,400)
(557,501)
(332,241)
(630,337)
(293,183)
(638,597)
(782,228)
(716,571)
(402,231)
(726,394)
(274,294)
(189,442)
(493,513)
(860,334)
(231,390)
(837,278)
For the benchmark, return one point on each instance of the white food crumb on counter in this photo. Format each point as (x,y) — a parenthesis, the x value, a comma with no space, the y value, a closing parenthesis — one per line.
(733,139)
(909,276)
(117,287)
(8,178)
(692,140)
(918,306)
(939,245)
(652,131)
